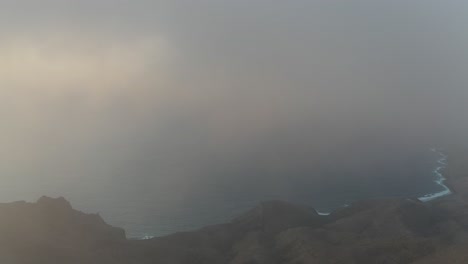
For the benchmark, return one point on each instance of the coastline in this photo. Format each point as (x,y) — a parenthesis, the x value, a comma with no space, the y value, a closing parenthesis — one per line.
(456,174)
(441,179)
(449,181)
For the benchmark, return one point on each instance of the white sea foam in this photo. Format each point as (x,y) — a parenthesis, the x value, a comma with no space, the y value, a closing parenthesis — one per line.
(322,213)
(328,213)
(440,179)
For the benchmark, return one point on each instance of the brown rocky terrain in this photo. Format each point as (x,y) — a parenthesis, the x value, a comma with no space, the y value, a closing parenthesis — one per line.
(372,231)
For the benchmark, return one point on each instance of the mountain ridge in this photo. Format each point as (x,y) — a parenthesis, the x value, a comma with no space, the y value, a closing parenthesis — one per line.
(370,231)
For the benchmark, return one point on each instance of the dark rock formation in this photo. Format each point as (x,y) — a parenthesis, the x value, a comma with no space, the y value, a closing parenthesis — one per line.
(50,231)
(275,216)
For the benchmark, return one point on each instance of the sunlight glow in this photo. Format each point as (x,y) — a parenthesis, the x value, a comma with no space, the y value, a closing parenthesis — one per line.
(61,63)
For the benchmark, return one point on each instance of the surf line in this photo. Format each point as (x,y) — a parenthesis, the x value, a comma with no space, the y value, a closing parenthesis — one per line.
(440,179)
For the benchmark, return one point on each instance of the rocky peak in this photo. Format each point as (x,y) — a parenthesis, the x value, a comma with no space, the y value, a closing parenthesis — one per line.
(59,203)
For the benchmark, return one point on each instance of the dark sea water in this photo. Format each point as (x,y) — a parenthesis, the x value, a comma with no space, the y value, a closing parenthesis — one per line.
(146,211)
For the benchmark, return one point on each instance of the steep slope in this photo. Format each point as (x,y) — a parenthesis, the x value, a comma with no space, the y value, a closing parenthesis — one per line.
(50,231)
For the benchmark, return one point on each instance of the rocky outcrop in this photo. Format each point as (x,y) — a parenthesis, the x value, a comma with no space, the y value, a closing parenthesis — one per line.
(50,231)
(378,231)
(275,216)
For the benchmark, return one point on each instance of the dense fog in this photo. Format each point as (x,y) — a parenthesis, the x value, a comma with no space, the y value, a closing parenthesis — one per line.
(132,97)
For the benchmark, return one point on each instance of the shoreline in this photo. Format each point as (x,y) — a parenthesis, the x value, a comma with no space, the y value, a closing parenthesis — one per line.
(440,180)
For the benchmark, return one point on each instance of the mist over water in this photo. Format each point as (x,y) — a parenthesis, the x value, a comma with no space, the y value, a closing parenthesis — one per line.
(166,116)
(155,211)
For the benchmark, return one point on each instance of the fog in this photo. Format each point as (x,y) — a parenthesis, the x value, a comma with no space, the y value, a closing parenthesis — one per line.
(128,97)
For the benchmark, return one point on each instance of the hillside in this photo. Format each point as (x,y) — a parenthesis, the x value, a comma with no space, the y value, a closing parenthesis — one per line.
(372,231)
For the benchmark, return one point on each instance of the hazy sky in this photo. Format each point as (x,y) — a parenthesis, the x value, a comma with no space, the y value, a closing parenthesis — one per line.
(177,93)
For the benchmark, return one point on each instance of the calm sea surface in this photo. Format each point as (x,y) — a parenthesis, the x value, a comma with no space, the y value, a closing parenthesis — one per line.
(154,211)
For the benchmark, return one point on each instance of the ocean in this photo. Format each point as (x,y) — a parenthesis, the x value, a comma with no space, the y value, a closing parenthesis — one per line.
(149,211)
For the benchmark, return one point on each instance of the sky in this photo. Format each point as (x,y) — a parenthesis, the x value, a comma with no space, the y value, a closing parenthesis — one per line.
(176,95)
